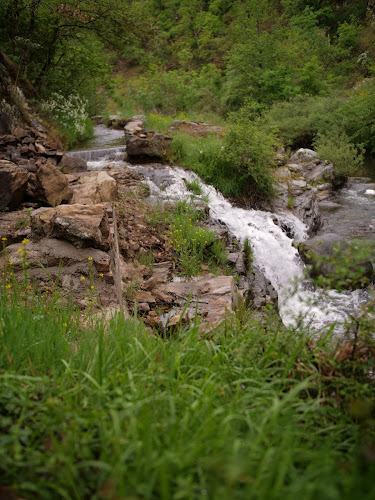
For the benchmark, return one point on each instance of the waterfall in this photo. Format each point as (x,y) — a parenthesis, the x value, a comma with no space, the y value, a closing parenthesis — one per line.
(97,158)
(273,250)
(273,253)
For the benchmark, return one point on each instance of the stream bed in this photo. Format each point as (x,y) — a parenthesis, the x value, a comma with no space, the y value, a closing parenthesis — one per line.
(273,250)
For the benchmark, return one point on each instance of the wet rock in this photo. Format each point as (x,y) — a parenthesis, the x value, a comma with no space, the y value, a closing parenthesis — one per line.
(13,184)
(154,146)
(82,225)
(97,120)
(98,187)
(49,186)
(72,164)
(238,259)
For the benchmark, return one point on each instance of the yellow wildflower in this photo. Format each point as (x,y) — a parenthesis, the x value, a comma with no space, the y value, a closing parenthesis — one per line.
(4,239)
(83,278)
(25,241)
(90,259)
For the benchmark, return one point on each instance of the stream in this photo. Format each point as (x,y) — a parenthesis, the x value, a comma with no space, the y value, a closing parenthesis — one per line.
(273,250)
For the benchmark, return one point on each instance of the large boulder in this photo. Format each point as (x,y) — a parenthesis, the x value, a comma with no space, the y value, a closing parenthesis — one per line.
(85,226)
(72,164)
(95,187)
(49,186)
(151,146)
(345,265)
(13,184)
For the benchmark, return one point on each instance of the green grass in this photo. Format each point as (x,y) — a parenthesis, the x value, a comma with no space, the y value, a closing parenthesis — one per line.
(94,409)
(110,411)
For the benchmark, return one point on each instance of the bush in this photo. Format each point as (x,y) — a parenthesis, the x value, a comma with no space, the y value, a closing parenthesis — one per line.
(336,148)
(70,116)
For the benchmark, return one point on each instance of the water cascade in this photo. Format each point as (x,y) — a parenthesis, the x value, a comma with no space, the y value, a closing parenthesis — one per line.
(273,250)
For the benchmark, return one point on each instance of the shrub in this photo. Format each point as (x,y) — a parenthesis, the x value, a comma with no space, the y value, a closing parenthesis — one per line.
(70,116)
(337,148)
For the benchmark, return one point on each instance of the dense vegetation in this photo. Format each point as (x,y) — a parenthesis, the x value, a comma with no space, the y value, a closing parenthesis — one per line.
(93,409)
(295,62)
(253,410)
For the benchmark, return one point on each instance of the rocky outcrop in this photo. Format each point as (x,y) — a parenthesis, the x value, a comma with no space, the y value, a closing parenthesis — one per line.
(49,186)
(94,187)
(148,146)
(12,102)
(84,226)
(327,255)
(198,129)
(13,184)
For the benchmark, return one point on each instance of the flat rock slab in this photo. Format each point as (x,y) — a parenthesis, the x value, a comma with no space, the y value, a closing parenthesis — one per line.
(212,297)
(94,187)
(84,226)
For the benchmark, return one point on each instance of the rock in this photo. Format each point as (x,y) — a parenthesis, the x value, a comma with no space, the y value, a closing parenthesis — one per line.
(15,226)
(303,155)
(195,128)
(97,120)
(329,256)
(154,146)
(51,252)
(237,258)
(72,164)
(211,298)
(135,125)
(99,187)
(13,184)
(83,226)
(49,186)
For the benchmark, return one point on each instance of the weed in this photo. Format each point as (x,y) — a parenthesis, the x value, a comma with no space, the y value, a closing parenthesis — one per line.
(194,186)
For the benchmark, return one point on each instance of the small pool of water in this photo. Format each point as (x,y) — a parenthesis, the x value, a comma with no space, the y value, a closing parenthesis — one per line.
(103,136)
(354,215)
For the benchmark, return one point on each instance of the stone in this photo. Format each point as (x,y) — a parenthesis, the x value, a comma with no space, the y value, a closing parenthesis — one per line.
(154,146)
(99,187)
(13,184)
(135,125)
(211,298)
(97,120)
(72,164)
(82,225)
(49,186)
(303,155)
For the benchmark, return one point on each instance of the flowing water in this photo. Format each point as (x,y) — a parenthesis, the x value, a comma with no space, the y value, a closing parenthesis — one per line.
(273,250)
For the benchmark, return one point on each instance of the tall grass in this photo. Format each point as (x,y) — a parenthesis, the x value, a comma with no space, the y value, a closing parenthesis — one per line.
(114,411)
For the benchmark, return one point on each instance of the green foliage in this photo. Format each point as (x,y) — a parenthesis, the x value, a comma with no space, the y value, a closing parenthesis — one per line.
(108,410)
(249,150)
(70,116)
(194,186)
(344,266)
(300,120)
(336,148)
(194,244)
